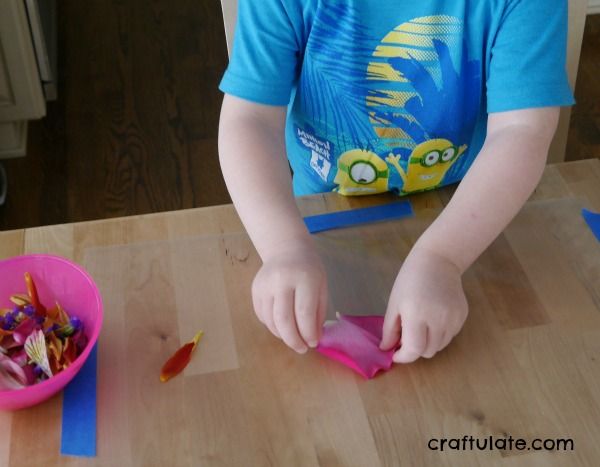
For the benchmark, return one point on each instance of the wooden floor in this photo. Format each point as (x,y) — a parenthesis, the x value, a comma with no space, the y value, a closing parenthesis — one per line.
(135,128)
(584,134)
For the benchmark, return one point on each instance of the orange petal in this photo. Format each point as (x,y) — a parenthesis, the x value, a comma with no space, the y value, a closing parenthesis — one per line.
(180,359)
(20,299)
(55,346)
(63,317)
(69,352)
(52,313)
(55,366)
(32,291)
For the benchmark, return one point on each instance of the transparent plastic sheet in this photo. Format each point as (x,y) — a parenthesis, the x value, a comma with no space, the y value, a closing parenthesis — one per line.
(160,293)
(362,263)
(157,295)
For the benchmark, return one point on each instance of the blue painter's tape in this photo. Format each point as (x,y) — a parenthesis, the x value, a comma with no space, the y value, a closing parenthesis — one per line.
(593,221)
(79,412)
(337,220)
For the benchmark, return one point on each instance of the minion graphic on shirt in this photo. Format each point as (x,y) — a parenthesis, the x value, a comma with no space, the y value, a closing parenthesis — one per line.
(414,110)
(361,172)
(427,165)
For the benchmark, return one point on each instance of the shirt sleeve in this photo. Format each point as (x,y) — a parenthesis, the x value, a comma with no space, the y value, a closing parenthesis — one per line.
(527,64)
(264,63)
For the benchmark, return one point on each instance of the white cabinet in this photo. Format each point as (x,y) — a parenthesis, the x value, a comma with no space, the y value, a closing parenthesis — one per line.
(21,95)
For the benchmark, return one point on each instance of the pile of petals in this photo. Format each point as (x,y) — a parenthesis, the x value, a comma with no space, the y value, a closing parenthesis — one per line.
(35,342)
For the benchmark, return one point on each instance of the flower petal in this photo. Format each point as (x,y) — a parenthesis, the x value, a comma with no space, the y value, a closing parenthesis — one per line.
(23,330)
(80,339)
(12,375)
(69,352)
(180,359)
(30,374)
(8,342)
(19,357)
(35,346)
(55,349)
(32,291)
(20,299)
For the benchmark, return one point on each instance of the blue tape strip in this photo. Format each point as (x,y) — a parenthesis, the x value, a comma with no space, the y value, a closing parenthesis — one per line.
(79,412)
(336,220)
(593,221)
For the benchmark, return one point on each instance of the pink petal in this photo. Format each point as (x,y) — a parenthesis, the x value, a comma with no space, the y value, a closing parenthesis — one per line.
(373,325)
(12,375)
(23,330)
(20,357)
(9,343)
(30,374)
(354,342)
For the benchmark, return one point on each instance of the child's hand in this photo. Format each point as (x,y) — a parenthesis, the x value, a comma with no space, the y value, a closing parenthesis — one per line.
(290,296)
(427,307)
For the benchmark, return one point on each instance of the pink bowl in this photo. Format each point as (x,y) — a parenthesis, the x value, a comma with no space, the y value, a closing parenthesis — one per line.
(57,279)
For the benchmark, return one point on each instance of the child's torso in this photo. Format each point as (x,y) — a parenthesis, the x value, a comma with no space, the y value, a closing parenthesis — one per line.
(389,97)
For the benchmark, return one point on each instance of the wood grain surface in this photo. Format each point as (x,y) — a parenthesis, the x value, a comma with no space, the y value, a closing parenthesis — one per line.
(525,364)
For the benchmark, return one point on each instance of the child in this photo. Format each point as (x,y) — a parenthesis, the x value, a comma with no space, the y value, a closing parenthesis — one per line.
(370,96)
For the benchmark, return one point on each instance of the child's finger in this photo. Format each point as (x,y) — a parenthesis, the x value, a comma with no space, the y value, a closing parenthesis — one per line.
(434,339)
(267,317)
(306,303)
(322,311)
(391,331)
(446,338)
(285,321)
(263,307)
(414,341)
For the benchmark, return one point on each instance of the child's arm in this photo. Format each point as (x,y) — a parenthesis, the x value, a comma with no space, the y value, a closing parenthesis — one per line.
(427,300)
(289,292)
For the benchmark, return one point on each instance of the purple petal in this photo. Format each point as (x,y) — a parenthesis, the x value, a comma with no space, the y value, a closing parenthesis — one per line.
(9,321)
(76,323)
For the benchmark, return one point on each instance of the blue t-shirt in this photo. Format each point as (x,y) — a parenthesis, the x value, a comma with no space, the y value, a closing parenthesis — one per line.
(395,95)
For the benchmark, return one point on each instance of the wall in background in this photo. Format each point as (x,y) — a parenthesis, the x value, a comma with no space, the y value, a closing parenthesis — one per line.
(594,7)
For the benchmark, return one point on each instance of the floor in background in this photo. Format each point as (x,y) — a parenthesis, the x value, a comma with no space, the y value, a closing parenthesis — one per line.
(584,133)
(135,128)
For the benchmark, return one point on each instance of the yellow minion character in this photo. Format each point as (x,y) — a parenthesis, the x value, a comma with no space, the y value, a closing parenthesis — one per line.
(361,172)
(427,164)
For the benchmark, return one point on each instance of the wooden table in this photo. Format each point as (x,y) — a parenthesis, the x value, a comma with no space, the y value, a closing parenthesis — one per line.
(526,363)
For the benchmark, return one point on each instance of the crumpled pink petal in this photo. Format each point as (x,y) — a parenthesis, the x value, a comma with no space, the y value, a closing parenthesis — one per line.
(12,375)
(354,341)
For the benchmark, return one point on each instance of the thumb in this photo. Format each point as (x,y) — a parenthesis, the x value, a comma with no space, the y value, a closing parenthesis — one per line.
(391,331)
